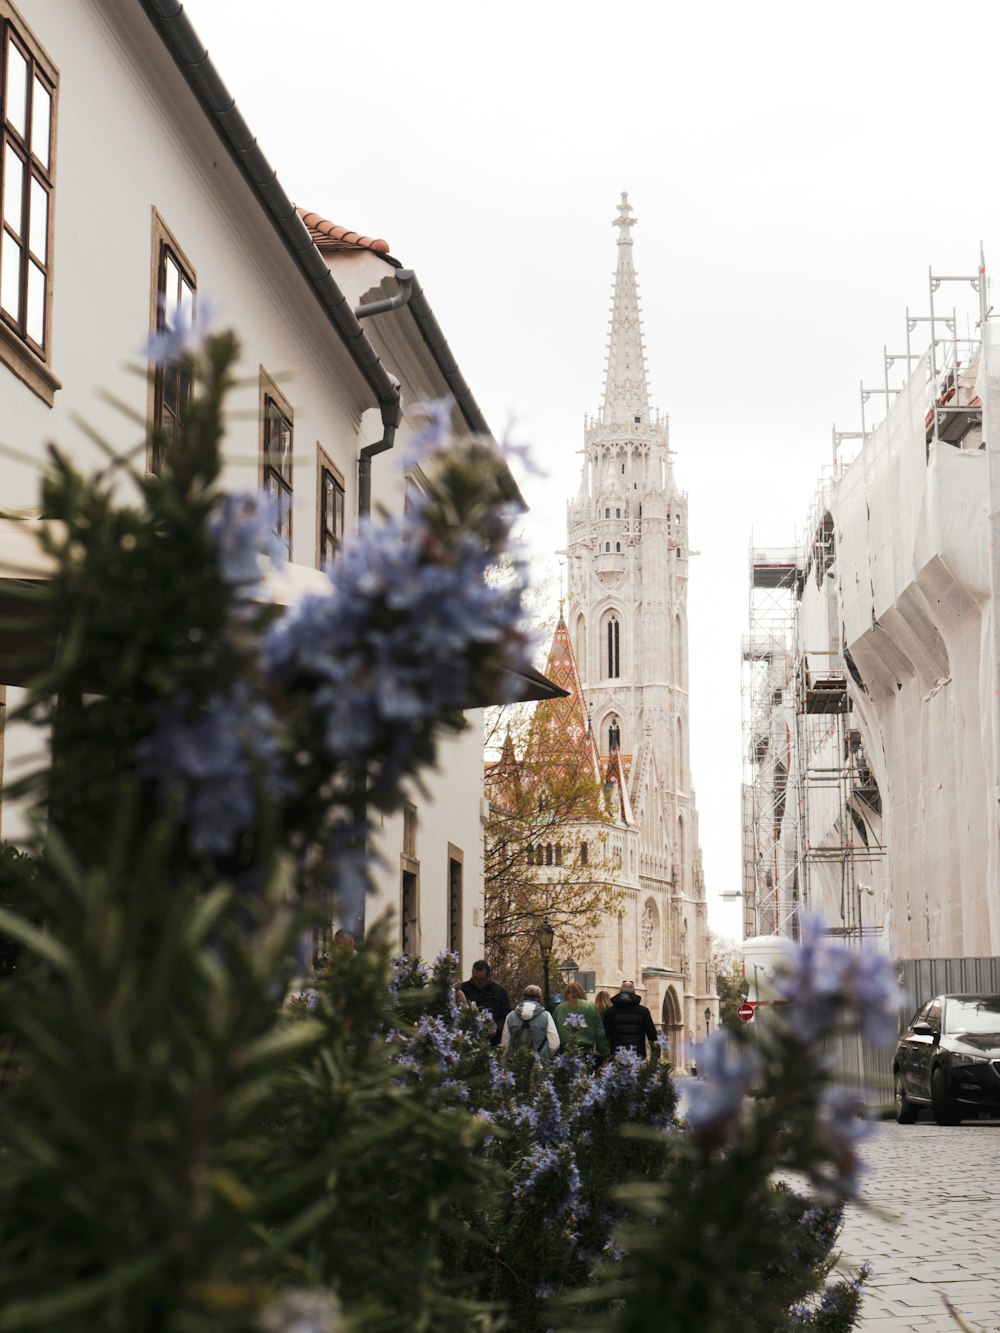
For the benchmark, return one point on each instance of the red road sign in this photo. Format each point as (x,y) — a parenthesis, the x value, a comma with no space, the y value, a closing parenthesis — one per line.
(745,1011)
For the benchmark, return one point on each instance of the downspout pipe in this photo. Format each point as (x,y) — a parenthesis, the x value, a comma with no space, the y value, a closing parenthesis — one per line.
(192,59)
(404,279)
(390,424)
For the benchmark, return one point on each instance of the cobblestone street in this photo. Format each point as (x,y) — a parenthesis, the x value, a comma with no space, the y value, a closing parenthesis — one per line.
(933,1229)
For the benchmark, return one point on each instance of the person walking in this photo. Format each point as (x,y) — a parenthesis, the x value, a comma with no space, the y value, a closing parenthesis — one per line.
(629,1024)
(531,1025)
(588,1029)
(603,1001)
(482,991)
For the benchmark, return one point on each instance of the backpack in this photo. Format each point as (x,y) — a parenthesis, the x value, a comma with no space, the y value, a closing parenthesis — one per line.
(521,1036)
(525,1035)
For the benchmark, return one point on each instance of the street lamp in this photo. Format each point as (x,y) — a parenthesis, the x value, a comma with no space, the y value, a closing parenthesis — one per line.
(569,970)
(546,938)
(708,1022)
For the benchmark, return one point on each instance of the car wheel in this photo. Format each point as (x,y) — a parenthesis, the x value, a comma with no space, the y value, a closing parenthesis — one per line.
(942,1105)
(906,1111)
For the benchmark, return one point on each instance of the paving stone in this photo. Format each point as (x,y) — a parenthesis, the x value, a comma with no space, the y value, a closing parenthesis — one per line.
(931,1229)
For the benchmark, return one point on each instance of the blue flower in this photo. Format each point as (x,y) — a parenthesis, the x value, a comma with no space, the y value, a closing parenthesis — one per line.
(715,1101)
(213,761)
(184,338)
(243,528)
(824,980)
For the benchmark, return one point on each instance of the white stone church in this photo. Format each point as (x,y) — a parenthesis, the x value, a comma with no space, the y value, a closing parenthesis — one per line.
(625,634)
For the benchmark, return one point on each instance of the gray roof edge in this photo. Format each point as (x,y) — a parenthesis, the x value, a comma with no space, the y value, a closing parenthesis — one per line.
(192,59)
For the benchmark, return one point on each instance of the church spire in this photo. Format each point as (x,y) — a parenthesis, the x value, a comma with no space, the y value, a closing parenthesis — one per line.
(626,395)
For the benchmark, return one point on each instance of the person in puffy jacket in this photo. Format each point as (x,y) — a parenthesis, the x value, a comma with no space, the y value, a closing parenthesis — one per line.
(629,1024)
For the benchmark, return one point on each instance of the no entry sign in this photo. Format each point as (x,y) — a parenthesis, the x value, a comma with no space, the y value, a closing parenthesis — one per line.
(745,1012)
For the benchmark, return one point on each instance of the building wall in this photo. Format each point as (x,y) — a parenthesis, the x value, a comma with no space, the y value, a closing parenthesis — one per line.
(132,141)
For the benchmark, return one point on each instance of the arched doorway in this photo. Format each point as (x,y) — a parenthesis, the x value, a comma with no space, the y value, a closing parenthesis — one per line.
(672,1027)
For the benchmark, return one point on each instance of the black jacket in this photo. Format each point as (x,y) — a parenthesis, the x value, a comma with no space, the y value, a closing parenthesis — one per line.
(493,998)
(629,1023)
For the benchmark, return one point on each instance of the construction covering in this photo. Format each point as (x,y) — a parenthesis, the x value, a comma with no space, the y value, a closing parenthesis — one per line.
(896,616)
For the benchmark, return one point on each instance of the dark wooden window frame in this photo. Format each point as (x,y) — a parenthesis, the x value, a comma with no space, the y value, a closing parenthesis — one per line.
(456,895)
(275,479)
(27,357)
(170,387)
(328,537)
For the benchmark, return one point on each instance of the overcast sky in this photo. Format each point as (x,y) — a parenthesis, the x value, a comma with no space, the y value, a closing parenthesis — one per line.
(795,171)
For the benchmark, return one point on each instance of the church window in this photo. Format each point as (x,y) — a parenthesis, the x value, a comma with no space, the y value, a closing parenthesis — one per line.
(558,853)
(618,513)
(584,853)
(618,546)
(638,420)
(623,469)
(607,513)
(649,924)
(614,646)
(548,853)
(607,546)
(531,855)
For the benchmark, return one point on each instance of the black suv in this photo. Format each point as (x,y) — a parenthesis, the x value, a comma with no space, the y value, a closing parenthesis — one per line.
(949,1059)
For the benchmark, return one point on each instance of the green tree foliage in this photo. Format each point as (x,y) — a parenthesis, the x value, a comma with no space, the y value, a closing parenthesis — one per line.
(726,961)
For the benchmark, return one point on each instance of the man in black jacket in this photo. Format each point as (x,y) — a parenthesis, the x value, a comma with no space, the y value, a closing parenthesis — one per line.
(485,993)
(629,1023)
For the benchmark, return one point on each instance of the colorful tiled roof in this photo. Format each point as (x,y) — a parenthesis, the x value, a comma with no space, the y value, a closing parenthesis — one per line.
(328,237)
(561,735)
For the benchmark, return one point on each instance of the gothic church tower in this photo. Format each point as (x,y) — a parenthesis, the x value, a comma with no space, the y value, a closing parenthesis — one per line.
(627,561)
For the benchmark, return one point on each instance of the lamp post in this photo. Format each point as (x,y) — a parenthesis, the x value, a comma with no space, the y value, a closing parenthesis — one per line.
(569,970)
(708,1022)
(546,938)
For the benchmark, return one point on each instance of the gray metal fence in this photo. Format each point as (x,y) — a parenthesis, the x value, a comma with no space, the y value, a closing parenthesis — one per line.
(869,1067)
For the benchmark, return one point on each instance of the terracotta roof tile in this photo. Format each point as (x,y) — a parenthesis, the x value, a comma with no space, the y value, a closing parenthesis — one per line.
(328,236)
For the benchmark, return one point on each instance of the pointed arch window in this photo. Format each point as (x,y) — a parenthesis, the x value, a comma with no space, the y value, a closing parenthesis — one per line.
(614,647)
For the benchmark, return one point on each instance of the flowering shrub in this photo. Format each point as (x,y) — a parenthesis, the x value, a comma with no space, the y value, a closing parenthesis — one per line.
(184,1152)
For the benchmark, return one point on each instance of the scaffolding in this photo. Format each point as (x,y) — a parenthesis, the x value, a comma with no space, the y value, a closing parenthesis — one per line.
(770,869)
(841,853)
(811,807)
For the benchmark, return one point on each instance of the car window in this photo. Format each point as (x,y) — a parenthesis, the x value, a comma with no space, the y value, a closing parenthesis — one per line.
(977,1013)
(934,1015)
(921,1015)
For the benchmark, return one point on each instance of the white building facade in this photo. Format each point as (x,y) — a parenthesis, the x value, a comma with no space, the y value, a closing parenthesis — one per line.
(131,184)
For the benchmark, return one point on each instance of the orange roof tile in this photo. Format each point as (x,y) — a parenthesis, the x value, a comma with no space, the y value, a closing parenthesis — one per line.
(561,736)
(328,236)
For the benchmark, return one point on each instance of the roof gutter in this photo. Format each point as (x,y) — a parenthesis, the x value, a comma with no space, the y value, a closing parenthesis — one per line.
(192,59)
(433,336)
